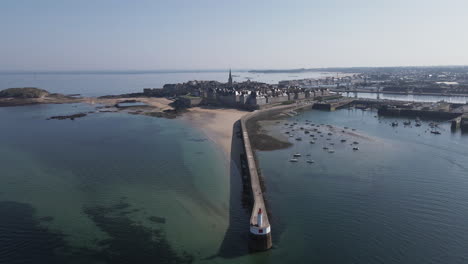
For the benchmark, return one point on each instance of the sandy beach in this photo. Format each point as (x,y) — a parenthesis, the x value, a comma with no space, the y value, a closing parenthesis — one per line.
(216,123)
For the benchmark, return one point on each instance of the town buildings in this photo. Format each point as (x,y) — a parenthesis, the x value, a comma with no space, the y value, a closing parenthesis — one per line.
(247,95)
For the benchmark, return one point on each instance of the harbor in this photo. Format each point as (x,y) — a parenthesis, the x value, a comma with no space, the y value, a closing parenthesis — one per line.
(360,199)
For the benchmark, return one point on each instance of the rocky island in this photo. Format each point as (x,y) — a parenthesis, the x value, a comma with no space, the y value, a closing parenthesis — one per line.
(32,95)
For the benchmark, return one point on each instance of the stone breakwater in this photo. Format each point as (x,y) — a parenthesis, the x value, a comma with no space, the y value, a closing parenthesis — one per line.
(260,228)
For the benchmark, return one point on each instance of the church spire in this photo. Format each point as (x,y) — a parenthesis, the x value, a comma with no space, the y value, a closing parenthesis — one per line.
(230,78)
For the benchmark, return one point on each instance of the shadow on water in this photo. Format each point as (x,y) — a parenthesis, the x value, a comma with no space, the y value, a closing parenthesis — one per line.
(235,243)
(23,240)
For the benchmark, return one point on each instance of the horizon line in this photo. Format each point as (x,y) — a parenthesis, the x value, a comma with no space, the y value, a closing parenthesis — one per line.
(136,71)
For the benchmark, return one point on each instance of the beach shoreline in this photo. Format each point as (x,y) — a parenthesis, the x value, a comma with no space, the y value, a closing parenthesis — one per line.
(216,123)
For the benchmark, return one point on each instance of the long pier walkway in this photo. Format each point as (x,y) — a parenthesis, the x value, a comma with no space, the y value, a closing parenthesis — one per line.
(260,229)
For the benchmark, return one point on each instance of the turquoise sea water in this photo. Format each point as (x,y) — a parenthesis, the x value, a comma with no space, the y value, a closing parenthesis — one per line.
(108,187)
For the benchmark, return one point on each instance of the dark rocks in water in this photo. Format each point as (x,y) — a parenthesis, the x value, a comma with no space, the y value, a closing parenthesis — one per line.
(26,92)
(130,104)
(170,114)
(102,107)
(157,219)
(128,101)
(71,117)
(129,241)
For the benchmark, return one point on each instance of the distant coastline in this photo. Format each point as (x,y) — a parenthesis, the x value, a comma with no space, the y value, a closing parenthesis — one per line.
(459,68)
(98,72)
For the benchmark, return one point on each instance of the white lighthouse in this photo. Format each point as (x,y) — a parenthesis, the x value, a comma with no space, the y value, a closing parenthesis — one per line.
(259,218)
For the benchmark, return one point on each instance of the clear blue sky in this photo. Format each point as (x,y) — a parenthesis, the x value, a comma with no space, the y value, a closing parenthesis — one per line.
(218,34)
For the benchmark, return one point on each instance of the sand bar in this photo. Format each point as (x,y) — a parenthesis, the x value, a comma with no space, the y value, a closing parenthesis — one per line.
(216,123)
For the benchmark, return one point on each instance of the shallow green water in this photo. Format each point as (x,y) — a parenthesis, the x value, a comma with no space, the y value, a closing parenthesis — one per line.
(108,187)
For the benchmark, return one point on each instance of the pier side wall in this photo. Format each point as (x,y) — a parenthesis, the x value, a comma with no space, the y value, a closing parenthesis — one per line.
(260,236)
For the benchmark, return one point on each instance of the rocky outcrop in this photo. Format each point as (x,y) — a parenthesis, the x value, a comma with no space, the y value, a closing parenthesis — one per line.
(71,117)
(26,92)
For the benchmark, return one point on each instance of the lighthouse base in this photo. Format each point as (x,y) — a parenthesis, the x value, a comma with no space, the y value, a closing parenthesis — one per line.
(260,242)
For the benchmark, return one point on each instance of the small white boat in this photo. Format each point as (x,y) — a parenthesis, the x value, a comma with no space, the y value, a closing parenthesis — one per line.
(325,147)
(312,142)
(355,148)
(331,151)
(297,155)
(293,160)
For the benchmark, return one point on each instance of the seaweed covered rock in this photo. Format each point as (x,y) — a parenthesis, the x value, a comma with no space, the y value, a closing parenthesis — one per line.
(26,92)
